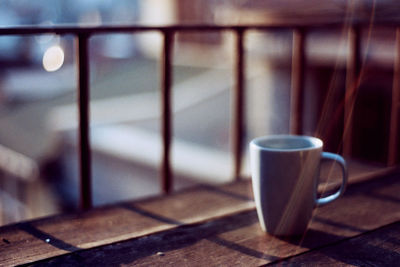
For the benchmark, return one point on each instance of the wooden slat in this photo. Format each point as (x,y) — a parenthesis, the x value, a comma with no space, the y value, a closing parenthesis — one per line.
(84,123)
(394,113)
(238,126)
(359,171)
(26,242)
(237,240)
(352,83)
(166,116)
(297,86)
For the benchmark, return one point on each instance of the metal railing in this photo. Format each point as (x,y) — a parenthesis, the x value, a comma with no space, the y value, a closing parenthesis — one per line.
(83,34)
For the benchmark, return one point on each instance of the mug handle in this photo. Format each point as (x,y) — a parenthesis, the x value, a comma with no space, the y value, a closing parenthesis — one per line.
(330,156)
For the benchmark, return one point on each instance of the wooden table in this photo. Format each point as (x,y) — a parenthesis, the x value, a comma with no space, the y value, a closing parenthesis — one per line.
(215,226)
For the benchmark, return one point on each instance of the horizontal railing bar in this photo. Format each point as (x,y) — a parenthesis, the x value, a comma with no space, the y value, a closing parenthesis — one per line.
(76,29)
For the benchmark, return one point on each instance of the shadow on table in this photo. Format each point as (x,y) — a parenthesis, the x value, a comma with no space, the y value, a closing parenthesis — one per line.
(375,248)
(47,238)
(165,243)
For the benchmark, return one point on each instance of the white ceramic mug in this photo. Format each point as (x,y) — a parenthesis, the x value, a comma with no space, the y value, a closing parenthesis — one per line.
(285,172)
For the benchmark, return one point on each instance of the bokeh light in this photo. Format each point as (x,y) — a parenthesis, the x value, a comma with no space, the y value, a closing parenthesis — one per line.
(53,58)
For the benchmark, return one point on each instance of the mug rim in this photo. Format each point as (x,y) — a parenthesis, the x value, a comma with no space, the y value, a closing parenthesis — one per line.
(316,142)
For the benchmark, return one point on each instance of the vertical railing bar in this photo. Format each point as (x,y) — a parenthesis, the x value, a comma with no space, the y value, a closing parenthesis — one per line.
(394,114)
(83,131)
(352,82)
(297,81)
(166,116)
(238,104)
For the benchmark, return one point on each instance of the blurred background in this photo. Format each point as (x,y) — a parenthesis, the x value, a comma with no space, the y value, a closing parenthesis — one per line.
(38,77)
